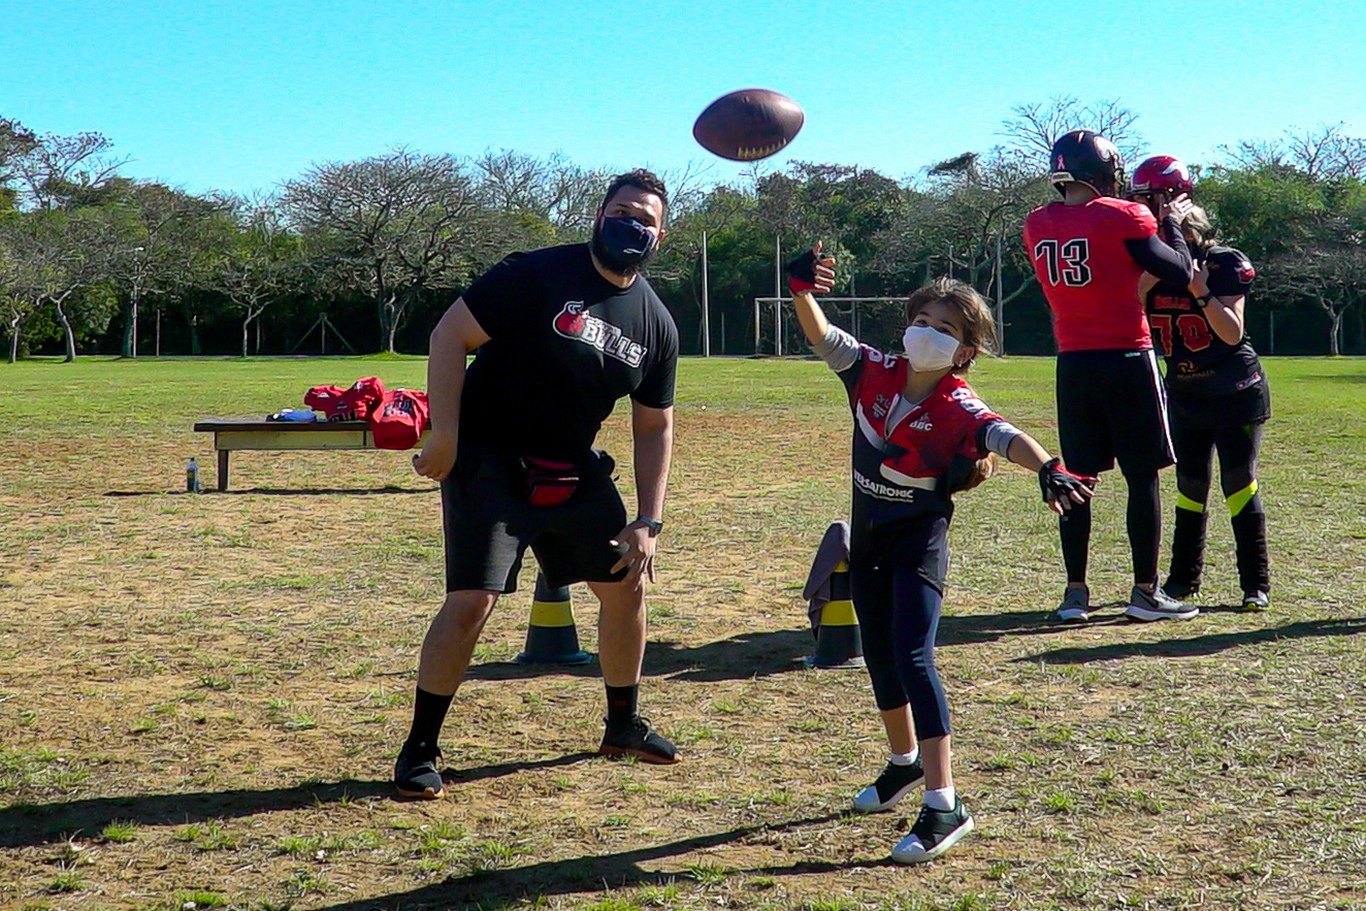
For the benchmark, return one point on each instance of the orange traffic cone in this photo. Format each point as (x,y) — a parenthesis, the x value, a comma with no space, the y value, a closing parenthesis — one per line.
(551,638)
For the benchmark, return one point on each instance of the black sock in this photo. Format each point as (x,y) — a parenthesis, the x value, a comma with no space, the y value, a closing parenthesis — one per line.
(1188,548)
(621,704)
(1249,533)
(429,712)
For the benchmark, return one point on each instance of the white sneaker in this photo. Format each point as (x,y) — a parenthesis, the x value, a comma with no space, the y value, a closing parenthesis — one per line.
(1156,605)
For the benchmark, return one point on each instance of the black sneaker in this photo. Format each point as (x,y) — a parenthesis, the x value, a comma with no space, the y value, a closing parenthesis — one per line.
(1075,606)
(1156,605)
(892,785)
(636,739)
(417,773)
(934,832)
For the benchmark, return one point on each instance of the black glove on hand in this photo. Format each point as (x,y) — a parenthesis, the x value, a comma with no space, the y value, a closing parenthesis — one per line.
(801,273)
(1058,483)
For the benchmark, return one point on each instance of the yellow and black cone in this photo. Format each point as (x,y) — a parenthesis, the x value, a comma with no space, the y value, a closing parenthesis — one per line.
(552,638)
(838,643)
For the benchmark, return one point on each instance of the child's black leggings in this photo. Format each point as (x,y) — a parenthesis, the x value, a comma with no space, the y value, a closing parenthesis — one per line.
(898,615)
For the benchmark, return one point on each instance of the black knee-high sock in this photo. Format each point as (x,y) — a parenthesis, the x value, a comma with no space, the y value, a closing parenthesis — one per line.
(1188,545)
(429,713)
(1249,536)
(1143,519)
(1075,529)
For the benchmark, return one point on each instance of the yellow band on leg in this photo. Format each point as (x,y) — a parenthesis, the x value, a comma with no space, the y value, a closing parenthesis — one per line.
(1239,500)
(1186,503)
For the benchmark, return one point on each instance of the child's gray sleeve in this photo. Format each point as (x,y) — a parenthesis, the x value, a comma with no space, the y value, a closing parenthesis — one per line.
(999,436)
(839,349)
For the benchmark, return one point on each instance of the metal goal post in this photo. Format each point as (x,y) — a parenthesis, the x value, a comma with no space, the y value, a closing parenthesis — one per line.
(879,321)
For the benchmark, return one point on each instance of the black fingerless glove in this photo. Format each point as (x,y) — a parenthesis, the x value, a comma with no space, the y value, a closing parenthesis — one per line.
(801,273)
(1057,482)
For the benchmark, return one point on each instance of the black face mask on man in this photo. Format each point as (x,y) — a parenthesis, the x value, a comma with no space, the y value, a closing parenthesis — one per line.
(622,244)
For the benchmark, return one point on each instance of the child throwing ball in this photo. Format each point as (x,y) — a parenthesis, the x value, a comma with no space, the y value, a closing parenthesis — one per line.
(920,434)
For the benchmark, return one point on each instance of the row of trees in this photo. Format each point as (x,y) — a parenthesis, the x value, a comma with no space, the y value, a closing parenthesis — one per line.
(86,254)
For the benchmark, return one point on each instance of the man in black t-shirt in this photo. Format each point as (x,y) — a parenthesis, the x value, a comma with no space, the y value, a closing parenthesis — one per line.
(562,334)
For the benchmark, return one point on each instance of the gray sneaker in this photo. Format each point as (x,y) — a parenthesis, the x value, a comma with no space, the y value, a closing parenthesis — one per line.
(1156,605)
(1075,606)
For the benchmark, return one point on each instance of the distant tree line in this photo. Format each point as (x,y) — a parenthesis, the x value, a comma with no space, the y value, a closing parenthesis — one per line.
(364,255)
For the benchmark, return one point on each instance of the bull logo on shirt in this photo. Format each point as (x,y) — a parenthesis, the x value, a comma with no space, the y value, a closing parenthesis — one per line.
(575,322)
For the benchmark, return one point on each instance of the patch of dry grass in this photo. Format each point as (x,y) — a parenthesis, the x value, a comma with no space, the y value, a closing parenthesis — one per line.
(201,696)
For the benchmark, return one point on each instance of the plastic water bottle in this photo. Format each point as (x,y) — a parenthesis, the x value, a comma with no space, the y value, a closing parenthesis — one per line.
(192,476)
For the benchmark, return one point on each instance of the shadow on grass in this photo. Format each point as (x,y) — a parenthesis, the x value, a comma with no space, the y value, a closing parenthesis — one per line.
(513,887)
(740,657)
(1200,645)
(37,824)
(277,491)
(1338,377)
(970,629)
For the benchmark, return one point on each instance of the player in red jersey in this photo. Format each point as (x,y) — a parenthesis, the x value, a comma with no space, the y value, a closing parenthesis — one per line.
(1218,399)
(1089,252)
(919,432)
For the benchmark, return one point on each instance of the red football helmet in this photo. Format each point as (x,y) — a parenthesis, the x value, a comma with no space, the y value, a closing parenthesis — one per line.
(1161,173)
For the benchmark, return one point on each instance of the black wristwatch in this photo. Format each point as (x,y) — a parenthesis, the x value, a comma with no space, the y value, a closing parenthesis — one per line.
(1203,300)
(654,525)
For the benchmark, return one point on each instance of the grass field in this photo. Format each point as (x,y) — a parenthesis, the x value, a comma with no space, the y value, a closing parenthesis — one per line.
(201,696)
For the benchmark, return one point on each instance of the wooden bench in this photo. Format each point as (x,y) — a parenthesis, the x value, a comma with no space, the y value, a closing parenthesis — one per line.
(231,434)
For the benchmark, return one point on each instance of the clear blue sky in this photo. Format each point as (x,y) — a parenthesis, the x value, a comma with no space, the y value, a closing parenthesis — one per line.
(240,95)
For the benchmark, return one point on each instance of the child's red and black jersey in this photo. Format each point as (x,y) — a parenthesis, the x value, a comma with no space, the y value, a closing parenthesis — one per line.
(1200,365)
(906,471)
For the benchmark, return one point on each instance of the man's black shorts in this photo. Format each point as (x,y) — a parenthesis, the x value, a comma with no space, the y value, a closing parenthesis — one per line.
(1112,407)
(488,525)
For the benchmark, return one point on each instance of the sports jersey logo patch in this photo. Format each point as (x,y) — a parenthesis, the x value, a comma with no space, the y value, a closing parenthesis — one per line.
(921,424)
(1245,272)
(971,403)
(576,323)
(881,405)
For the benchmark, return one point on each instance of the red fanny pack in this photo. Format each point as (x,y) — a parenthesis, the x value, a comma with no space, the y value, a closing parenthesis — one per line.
(549,483)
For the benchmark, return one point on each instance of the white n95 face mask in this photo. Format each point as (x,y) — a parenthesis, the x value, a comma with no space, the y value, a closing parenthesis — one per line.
(928,349)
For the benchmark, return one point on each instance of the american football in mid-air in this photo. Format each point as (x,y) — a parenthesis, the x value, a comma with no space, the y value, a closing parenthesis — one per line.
(749,124)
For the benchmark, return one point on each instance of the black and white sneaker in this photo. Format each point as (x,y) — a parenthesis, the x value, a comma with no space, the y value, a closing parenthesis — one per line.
(1156,605)
(934,832)
(635,738)
(417,773)
(892,785)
